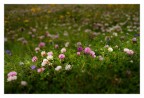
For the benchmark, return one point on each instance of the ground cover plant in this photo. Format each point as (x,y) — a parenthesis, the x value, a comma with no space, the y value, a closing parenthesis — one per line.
(71,49)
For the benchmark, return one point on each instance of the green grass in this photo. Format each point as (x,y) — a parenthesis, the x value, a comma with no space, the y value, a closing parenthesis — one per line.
(88,75)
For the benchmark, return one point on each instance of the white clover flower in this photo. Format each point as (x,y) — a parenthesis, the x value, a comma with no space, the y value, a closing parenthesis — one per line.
(110,49)
(43,63)
(50,57)
(131,61)
(9,79)
(43,53)
(63,50)
(115,34)
(68,67)
(66,44)
(58,68)
(21,63)
(14,77)
(23,83)
(126,49)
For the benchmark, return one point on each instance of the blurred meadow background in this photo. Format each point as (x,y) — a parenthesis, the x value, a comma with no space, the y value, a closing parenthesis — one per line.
(72,49)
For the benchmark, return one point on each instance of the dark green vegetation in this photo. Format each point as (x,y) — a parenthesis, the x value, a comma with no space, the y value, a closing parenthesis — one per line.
(95,26)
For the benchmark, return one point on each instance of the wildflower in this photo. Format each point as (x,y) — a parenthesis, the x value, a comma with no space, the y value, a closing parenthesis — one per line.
(34,59)
(79,48)
(40,70)
(79,44)
(56,46)
(128,51)
(66,44)
(87,50)
(21,63)
(106,46)
(101,58)
(61,56)
(115,34)
(24,41)
(134,40)
(23,83)
(43,53)
(37,49)
(110,49)
(68,67)
(63,50)
(131,61)
(8,52)
(58,68)
(45,61)
(12,73)
(12,76)
(78,53)
(33,67)
(41,44)
(50,53)
(92,53)
(50,57)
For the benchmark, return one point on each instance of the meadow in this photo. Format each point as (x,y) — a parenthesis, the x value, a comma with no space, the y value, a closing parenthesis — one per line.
(72,49)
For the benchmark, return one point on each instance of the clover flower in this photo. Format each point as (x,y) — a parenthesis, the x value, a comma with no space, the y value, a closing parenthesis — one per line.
(37,49)
(56,46)
(34,59)
(58,68)
(12,76)
(41,44)
(110,49)
(23,83)
(50,57)
(78,53)
(61,56)
(80,49)
(40,70)
(50,53)
(43,53)
(87,50)
(68,67)
(128,51)
(63,50)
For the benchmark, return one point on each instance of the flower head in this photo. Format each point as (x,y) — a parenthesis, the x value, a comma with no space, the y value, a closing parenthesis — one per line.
(61,56)
(50,53)
(58,68)
(40,70)
(68,67)
(37,49)
(23,83)
(41,44)
(80,49)
(33,67)
(8,52)
(34,59)
(63,50)
(110,49)
(87,50)
(78,53)
(43,53)
(50,57)
(12,76)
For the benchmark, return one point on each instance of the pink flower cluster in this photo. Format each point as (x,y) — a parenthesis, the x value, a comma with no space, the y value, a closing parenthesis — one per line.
(41,44)
(34,59)
(88,50)
(128,51)
(50,53)
(40,70)
(12,76)
(61,56)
